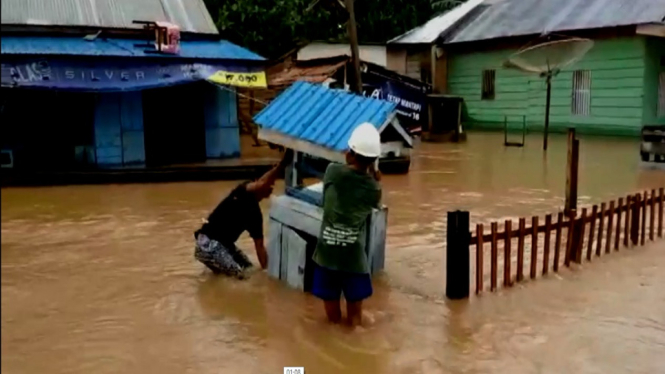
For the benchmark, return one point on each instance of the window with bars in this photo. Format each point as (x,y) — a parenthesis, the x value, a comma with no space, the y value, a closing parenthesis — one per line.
(489,77)
(661,94)
(581,105)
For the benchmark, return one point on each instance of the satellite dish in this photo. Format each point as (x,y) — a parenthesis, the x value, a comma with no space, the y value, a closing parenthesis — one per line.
(547,59)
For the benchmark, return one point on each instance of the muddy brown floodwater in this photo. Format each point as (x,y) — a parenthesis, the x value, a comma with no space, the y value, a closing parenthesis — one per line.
(101,279)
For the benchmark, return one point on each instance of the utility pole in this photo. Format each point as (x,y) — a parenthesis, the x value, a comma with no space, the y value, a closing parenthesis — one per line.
(356,82)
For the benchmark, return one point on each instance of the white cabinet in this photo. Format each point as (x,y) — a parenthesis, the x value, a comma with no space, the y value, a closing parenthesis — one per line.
(292,231)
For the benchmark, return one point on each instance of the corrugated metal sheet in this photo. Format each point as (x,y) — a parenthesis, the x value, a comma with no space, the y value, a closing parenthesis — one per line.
(321,116)
(190,15)
(430,31)
(316,71)
(31,45)
(528,17)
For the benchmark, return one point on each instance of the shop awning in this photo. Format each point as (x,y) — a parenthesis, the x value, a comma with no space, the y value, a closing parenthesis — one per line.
(75,64)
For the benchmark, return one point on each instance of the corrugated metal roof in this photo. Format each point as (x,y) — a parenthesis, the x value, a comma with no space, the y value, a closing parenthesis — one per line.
(190,15)
(313,71)
(529,17)
(430,31)
(321,116)
(200,49)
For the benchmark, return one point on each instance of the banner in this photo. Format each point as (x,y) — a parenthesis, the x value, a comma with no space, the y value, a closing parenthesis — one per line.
(411,102)
(229,78)
(122,75)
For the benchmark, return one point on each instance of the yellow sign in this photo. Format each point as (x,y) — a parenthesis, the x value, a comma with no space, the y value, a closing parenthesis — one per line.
(257,79)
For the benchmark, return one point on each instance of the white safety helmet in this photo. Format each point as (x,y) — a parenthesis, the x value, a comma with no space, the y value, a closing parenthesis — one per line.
(366,141)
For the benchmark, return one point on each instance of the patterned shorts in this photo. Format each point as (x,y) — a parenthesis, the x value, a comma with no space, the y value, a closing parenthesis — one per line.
(221,259)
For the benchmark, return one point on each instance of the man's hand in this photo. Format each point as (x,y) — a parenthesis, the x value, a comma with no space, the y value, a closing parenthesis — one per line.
(374,172)
(286,159)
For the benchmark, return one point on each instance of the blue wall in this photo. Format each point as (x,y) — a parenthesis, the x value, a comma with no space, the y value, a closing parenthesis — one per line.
(221,123)
(119,134)
(119,129)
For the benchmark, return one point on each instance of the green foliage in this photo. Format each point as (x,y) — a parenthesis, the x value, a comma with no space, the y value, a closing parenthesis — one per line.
(440,6)
(274,27)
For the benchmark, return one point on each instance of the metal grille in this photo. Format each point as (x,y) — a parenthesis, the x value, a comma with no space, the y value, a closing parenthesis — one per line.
(581,104)
(489,77)
(661,95)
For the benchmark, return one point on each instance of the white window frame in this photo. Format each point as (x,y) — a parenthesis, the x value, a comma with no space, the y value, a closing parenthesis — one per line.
(488,86)
(581,96)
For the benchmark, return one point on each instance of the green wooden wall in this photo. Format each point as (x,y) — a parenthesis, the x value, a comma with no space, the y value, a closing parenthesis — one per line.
(618,72)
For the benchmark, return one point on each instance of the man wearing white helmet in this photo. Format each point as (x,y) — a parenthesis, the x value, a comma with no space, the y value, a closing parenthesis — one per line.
(350,192)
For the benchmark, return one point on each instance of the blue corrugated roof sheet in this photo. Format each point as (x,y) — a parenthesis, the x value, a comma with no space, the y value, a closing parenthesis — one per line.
(107,47)
(322,116)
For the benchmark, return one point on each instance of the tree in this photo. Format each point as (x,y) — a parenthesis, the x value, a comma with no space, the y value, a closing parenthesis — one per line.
(441,6)
(274,27)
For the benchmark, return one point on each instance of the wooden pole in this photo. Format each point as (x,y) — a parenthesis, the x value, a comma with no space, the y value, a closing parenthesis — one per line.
(357,85)
(617,238)
(507,257)
(601,229)
(578,238)
(661,196)
(626,228)
(557,241)
(635,220)
(572,169)
(652,217)
(592,231)
(495,256)
(643,233)
(610,228)
(534,246)
(479,258)
(520,250)
(546,250)
(570,235)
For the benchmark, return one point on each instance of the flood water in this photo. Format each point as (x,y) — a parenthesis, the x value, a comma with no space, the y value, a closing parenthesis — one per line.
(101,279)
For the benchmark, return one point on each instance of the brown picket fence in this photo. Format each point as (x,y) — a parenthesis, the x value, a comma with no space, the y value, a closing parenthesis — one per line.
(547,245)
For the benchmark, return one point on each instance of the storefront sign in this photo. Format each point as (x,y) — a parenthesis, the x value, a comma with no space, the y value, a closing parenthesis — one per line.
(257,79)
(81,75)
(411,103)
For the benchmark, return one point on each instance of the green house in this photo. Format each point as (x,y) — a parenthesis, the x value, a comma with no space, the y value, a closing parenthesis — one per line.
(615,89)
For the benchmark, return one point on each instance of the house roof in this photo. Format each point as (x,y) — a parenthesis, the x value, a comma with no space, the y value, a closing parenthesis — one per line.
(313,71)
(508,18)
(110,47)
(318,70)
(430,31)
(190,15)
(317,120)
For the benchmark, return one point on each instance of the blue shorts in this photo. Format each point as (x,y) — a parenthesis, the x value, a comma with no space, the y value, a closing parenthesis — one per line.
(328,285)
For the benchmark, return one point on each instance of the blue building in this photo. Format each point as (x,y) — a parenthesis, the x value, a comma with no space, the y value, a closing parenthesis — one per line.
(85,84)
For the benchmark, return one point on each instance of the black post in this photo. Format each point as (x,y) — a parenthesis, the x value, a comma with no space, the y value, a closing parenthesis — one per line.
(547,110)
(458,271)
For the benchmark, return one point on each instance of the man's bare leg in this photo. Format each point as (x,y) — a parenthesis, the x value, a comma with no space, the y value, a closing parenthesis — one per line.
(354,313)
(333,311)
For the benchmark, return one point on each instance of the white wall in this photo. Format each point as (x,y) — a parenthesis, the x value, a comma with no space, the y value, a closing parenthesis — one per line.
(371,53)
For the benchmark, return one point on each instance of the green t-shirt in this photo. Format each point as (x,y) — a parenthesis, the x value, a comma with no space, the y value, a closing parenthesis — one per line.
(348,199)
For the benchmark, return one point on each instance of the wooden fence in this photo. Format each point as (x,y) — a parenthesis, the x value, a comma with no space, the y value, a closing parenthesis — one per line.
(550,244)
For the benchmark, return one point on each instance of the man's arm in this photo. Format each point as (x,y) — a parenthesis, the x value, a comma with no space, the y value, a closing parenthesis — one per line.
(261,252)
(271,176)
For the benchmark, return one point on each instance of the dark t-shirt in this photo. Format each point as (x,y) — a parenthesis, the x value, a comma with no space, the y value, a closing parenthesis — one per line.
(239,211)
(348,199)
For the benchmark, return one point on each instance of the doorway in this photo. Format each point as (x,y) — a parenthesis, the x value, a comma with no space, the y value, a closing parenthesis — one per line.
(174,125)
